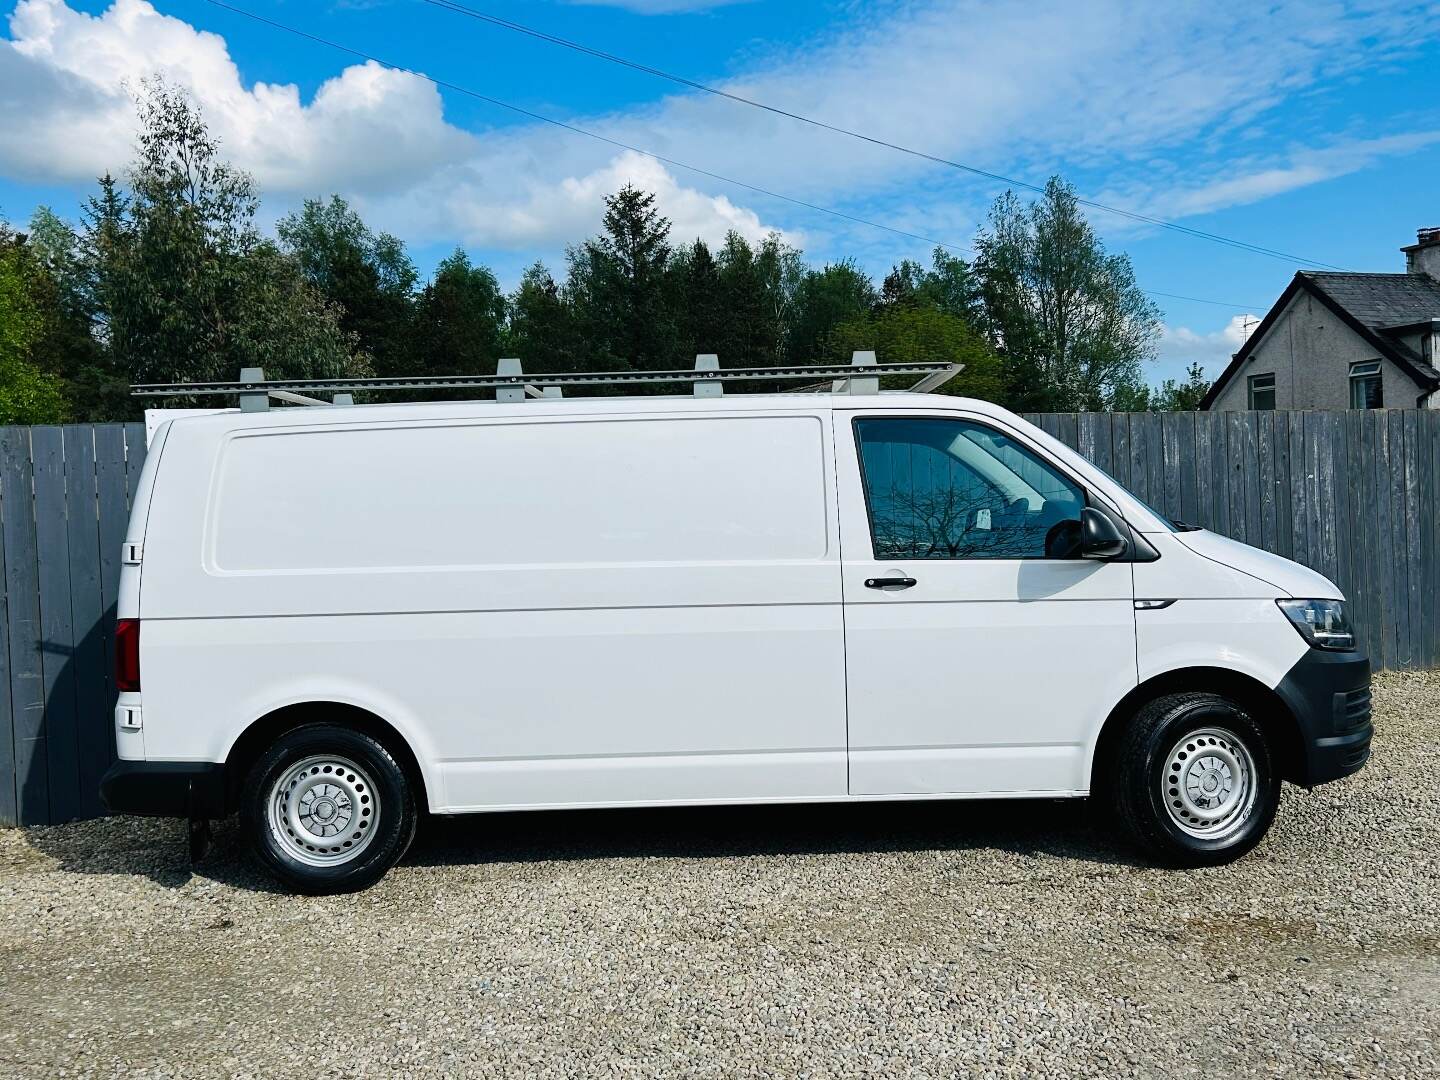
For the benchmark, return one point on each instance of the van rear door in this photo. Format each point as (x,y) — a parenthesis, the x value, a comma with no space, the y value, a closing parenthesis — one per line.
(981,653)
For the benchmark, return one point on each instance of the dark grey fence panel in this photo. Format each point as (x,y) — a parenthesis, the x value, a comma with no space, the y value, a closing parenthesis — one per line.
(22,610)
(64,505)
(57,639)
(87,656)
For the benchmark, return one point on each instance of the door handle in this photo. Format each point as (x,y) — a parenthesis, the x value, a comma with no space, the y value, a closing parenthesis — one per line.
(890,582)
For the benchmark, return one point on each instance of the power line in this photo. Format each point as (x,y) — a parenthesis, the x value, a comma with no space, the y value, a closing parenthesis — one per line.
(1200,234)
(579,130)
(466,91)
(1197,300)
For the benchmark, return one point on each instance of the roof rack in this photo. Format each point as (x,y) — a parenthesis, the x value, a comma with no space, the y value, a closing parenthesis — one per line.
(511,383)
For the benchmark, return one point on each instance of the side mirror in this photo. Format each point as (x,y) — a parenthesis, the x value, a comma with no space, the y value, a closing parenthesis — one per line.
(1099,538)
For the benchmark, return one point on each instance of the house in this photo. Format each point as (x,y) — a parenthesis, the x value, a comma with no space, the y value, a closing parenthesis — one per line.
(1344,341)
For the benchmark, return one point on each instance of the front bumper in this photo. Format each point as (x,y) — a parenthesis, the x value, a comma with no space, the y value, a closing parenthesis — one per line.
(193,789)
(1329,695)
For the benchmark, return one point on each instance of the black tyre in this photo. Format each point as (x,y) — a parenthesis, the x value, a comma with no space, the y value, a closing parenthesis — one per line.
(328,809)
(1193,780)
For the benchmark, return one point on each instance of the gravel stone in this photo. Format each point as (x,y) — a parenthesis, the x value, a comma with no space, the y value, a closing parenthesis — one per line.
(919,939)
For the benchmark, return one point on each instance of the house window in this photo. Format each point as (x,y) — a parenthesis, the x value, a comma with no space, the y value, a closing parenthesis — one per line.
(1365,390)
(1262,391)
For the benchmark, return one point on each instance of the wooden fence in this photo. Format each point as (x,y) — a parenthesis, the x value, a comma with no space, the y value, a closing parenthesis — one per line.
(1352,494)
(65,502)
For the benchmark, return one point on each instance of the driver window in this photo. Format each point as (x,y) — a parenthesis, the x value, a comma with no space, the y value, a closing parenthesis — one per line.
(953,489)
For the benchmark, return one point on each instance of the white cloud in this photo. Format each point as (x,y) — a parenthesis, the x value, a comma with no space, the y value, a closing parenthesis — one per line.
(67,79)
(1109,87)
(1252,179)
(548,215)
(1180,347)
(375,134)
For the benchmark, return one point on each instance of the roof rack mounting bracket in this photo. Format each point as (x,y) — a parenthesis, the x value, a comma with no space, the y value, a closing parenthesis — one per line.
(870,384)
(252,400)
(509,365)
(708,385)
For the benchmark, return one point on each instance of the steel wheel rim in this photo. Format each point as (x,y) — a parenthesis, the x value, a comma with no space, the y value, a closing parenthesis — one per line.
(1208,785)
(324,810)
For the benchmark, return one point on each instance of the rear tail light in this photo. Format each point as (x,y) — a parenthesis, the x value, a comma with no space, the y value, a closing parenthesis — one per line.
(127,655)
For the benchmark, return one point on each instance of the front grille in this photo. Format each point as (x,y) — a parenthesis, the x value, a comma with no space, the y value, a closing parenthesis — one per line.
(1352,709)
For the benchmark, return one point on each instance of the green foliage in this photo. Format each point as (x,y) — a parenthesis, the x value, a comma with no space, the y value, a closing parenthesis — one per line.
(837,293)
(618,286)
(950,285)
(460,318)
(542,330)
(755,288)
(28,395)
(1069,320)
(1181,396)
(368,277)
(701,322)
(909,334)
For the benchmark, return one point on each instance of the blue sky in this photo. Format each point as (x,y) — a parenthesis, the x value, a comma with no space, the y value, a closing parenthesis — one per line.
(1312,128)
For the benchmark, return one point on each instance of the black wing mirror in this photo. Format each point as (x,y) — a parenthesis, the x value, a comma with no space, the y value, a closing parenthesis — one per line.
(1099,538)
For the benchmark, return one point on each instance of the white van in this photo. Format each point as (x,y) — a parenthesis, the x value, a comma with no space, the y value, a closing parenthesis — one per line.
(332,619)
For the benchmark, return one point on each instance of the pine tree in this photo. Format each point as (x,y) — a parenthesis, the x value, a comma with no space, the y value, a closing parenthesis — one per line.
(618,284)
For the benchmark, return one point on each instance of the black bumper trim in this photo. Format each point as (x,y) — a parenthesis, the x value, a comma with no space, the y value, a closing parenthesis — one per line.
(1328,694)
(193,789)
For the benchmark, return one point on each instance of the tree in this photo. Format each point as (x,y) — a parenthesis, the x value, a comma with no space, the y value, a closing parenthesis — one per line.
(28,395)
(1069,320)
(69,340)
(541,330)
(907,335)
(187,288)
(1176,396)
(459,319)
(281,324)
(701,319)
(369,276)
(618,287)
(749,316)
(838,293)
(949,286)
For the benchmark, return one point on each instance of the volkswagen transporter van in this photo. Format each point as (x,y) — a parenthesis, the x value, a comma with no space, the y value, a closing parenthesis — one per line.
(334,619)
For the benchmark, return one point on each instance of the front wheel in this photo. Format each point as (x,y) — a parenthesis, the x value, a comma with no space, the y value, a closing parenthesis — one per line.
(328,809)
(1193,781)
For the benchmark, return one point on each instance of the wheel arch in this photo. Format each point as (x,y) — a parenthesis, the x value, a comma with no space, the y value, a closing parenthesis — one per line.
(1262,703)
(263,731)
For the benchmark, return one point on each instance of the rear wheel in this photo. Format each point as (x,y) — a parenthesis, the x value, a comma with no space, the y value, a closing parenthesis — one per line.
(328,809)
(1193,781)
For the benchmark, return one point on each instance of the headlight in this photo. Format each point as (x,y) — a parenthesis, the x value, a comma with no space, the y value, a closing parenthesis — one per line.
(1323,623)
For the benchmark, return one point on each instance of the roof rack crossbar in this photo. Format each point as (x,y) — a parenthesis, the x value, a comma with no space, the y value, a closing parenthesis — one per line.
(511,383)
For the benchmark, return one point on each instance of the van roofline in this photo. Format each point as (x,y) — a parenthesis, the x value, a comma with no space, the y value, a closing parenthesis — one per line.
(576,406)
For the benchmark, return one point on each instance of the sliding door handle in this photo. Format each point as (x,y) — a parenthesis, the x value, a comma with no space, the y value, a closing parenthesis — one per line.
(890,582)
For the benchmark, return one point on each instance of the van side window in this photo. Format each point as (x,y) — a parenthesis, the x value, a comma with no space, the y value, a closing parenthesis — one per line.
(953,489)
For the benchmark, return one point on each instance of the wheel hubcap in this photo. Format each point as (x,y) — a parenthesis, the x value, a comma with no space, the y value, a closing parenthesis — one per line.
(324,810)
(1208,785)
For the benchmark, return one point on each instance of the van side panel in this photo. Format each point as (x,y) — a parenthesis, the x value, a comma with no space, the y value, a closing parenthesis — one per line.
(555,611)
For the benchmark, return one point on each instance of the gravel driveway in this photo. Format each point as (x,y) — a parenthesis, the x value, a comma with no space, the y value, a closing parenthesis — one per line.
(922,939)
